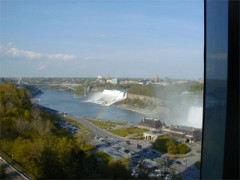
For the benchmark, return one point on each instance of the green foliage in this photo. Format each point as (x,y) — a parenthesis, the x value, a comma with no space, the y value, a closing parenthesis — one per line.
(145,90)
(79,90)
(118,169)
(2,172)
(172,146)
(196,87)
(127,131)
(104,156)
(183,148)
(101,87)
(82,127)
(104,124)
(160,144)
(30,138)
(169,145)
(134,103)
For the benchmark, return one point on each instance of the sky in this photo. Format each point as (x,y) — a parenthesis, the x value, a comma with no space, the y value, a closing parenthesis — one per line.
(87,38)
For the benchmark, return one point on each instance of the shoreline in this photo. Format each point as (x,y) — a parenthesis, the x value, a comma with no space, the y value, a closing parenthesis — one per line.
(146,112)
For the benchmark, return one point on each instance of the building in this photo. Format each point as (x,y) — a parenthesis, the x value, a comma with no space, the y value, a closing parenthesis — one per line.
(112,81)
(153,135)
(115,81)
(151,124)
(155,79)
(191,133)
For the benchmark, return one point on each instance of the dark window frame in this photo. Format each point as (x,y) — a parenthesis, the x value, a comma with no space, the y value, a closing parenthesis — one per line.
(224,165)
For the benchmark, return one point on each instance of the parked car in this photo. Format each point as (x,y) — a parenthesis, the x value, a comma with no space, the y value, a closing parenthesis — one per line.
(178,162)
(128,142)
(139,146)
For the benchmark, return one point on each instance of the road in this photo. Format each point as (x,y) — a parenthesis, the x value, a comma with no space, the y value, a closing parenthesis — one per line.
(99,132)
(115,138)
(11,172)
(186,166)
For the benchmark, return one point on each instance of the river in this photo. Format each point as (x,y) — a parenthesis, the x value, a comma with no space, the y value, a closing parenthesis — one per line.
(186,110)
(64,101)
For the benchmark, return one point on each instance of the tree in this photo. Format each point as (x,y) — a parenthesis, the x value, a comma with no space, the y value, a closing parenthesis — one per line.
(183,148)
(160,144)
(83,140)
(172,146)
(3,174)
(119,170)
(30,137)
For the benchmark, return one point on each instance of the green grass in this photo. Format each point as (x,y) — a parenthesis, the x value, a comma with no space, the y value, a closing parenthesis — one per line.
(104,156)
(127,131)
(104,124)
(179,156)
(82,127)
(89,147)
(166,136)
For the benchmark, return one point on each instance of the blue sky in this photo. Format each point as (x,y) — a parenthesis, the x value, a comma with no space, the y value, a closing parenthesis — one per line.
(137,38)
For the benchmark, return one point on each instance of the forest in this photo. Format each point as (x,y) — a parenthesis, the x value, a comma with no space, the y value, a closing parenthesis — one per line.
(31,139)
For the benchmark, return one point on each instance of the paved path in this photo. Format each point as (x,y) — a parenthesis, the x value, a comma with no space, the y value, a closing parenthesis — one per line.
(11,172)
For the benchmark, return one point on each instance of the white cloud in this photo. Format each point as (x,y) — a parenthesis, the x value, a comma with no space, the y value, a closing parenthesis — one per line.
(21,53)
(89,58)
(41,66)
(61,56)
(15,52)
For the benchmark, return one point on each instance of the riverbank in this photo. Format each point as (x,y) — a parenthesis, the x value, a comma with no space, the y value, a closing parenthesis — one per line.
(153,111)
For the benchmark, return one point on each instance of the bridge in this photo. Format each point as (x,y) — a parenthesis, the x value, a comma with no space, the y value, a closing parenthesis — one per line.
(71,86)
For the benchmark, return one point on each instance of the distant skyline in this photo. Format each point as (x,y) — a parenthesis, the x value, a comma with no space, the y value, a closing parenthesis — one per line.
(87,38)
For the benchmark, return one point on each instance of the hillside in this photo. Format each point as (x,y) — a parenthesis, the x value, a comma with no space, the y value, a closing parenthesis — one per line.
(44,151)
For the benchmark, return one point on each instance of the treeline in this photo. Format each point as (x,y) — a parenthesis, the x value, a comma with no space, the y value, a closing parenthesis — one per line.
(196,87)
(30,137)
(145,90)
(135,103)
(151,90)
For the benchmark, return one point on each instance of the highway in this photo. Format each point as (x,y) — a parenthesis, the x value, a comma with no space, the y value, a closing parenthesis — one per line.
(115,138)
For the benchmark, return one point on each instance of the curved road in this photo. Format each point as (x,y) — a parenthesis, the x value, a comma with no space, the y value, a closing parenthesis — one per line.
(112,137)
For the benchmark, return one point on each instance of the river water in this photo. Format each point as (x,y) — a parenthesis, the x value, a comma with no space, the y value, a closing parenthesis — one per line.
(64,101)
(186,110)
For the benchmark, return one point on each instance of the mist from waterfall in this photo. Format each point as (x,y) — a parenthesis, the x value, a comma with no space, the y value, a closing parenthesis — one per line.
(195,116)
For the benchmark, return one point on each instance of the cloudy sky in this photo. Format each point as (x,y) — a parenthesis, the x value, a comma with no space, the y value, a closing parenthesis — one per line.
(86,38)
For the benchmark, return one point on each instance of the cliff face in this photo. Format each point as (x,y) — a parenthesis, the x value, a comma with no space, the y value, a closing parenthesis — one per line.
(147,99)
(153,107)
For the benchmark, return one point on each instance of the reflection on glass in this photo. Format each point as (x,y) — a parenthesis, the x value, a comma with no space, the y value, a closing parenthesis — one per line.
(216,88)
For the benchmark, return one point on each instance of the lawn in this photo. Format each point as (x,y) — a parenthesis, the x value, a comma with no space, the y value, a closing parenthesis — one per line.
(104,156)
(127,131)
(82,127)
(104,124)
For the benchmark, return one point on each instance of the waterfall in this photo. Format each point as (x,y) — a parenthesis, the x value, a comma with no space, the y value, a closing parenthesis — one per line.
(195,116)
